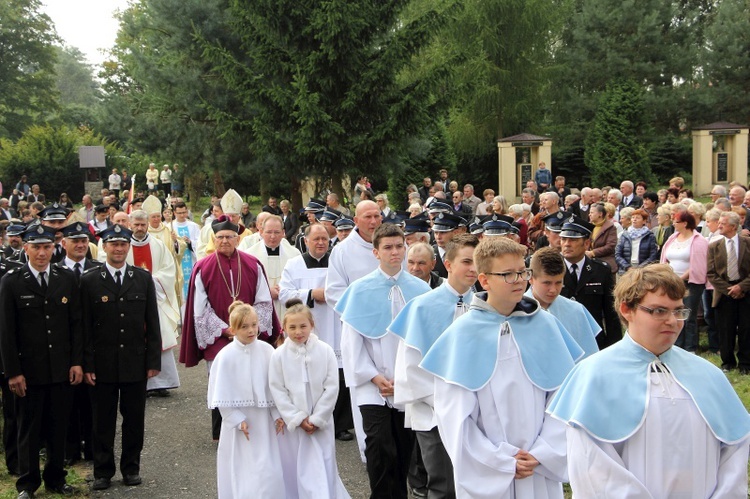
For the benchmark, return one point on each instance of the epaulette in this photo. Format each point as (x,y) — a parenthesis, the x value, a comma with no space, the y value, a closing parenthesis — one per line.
(14,269)
(90,269)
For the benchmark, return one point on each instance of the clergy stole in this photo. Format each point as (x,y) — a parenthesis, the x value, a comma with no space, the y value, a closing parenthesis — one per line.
(142,257)
(187,262)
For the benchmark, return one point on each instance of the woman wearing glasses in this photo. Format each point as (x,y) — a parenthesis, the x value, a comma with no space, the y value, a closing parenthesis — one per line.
(646,419)
(686,251)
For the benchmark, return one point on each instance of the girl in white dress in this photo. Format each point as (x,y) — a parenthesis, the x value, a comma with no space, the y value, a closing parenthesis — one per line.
(304,381)
(248,459)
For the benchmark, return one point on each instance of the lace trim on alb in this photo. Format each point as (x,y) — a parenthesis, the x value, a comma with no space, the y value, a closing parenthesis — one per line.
(265,314)
(243,403)
(208,327)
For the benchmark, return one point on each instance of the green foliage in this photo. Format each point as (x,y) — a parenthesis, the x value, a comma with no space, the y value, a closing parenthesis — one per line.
(48,156)
(615,149)
(669,156)
(727,62)
(498,89)
(319,82)
(27,58)
(79,93)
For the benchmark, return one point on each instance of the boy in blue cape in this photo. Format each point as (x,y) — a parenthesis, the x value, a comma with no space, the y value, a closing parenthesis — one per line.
(368,352)
(496,367)
(647,419)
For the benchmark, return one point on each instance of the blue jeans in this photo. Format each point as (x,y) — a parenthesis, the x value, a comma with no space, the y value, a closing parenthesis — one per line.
(710,318)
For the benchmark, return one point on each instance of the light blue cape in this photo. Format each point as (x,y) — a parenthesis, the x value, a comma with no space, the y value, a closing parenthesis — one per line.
(577,321)
(607,394)
(366,306)
(425,318)
(466,353)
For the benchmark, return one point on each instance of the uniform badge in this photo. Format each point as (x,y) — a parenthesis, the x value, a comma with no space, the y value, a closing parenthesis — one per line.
(64,300)
(117,228)
(40,230)
(105,299)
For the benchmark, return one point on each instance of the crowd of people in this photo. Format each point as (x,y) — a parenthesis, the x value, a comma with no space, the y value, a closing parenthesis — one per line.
(471,347)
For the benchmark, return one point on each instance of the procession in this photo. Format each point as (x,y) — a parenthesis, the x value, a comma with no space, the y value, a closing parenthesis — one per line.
(463,347)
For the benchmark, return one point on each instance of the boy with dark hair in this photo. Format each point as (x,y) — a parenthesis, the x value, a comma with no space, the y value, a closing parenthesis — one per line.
(548,274)
(367,307)
(496,367)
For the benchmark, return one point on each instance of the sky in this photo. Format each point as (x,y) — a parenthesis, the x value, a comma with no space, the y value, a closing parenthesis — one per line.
(88,25)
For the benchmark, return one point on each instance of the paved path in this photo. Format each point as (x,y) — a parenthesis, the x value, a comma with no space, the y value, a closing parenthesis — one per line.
(179,457)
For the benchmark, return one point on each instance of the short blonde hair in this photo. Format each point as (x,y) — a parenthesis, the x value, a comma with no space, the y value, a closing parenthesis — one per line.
(626,212)
(636,283)
(490,248)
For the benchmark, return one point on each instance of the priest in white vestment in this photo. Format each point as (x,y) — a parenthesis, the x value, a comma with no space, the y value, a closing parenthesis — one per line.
(646,419)
(158,230)
(189,232)
(273,252)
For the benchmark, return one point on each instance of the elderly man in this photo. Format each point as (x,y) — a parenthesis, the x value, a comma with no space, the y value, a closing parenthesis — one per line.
(231,206)
(469,197)
(6,212)
(416,230)
(332,201)
(86,212)
(218,280)
(420,262)
(629,199)
(42,354)
(728,271)
(273,252)
(718,191)
(304,278)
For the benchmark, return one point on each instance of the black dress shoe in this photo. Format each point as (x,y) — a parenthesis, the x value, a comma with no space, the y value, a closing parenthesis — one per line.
(101,484)
(344,436)
(25,494)
(132,480)
(64,489)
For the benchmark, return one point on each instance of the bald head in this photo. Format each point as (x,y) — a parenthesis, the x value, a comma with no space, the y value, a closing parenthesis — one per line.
(367,219)
(260,219)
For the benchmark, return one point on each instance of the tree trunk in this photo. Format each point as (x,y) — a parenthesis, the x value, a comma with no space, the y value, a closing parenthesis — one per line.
(296,195)
(219,188)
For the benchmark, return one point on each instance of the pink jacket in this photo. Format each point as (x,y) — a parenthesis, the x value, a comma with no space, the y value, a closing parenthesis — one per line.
(698,257)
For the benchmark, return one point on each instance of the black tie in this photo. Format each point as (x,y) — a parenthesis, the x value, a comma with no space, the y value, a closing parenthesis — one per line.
(574,275)
(77,270)
(118,279)
(43,282)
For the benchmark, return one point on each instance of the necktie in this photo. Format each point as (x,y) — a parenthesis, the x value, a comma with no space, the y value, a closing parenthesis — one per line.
(574,275)
(118,279)
(732,271)
(77,270)
(43,282)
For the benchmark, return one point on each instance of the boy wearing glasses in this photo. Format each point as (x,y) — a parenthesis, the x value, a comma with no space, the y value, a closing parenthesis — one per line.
(496,368)
(646,418)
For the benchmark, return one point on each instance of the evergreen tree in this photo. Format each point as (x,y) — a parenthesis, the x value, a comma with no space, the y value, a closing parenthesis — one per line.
(27,58)
(615,149)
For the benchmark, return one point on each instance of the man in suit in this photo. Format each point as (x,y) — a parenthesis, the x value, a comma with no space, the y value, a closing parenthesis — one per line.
(629,199)
(35,196)
(730,278)
(291,221)
(589,281)
(79,438)
(122,349)
(41,346)
(424,191)
(6,212)
(460,207)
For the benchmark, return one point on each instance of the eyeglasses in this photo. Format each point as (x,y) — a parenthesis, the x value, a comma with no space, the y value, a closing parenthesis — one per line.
(662,314)
(512,277)
(225,238)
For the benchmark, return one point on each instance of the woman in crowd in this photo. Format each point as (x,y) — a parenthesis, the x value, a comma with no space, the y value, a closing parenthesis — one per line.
(604,237)
(637,246)
(65,201)
(686,251)
(664,229)
(697,210)
(499,205)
